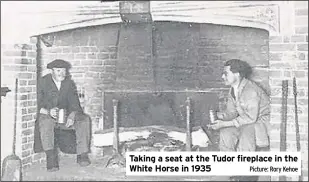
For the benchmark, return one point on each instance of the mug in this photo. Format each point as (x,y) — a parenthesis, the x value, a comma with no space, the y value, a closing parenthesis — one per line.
(61,116)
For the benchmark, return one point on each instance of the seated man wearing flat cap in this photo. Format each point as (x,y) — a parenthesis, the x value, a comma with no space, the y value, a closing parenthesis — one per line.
(57,92)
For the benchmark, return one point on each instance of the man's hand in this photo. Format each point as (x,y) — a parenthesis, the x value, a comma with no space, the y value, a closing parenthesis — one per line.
(44,111)
(70,119)
(70,122)
(218,124)
(54,112)
(220,115)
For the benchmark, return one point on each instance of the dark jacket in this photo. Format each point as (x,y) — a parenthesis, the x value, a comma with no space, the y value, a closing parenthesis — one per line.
(65,98)
(49,97)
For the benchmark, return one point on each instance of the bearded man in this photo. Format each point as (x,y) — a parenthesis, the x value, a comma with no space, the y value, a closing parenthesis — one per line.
(57,92)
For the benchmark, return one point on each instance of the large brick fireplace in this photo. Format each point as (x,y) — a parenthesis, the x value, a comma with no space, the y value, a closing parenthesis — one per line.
(151,67)
(160,64)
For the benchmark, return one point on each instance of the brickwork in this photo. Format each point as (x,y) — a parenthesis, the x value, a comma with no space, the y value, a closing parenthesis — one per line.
(190,56)
(194,49)
(288,56)
(87,50)
(168,56)
(19,61)
(92,53)
(134,68)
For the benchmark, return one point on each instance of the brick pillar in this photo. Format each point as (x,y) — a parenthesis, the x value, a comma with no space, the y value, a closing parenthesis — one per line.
(19,61)
(288,57)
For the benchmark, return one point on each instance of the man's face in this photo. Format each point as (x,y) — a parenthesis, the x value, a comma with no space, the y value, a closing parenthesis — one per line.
(59,74)
(228,76)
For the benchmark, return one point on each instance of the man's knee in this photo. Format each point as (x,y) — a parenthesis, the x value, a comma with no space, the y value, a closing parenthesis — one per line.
(87,118)
(46,123)
(82,122)
(81,117)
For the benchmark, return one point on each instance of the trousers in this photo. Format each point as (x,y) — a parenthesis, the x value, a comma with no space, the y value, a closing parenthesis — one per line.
(81,126)
(238,139)
(241,139)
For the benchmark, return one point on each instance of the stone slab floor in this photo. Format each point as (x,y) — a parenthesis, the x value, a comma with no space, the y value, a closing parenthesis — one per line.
(70,170)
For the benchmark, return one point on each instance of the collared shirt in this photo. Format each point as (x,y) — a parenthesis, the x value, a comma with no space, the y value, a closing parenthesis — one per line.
(234,93)
(57,83)
(234,90)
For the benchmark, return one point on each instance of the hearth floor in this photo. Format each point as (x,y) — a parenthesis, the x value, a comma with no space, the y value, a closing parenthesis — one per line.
(70,170)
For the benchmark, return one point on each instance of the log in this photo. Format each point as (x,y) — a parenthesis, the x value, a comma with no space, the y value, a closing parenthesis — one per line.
(104,138)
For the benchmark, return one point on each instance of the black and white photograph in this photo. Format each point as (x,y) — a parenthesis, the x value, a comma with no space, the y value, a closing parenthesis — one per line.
(85,82)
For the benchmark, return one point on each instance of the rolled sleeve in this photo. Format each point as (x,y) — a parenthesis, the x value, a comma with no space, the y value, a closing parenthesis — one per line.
(236,123)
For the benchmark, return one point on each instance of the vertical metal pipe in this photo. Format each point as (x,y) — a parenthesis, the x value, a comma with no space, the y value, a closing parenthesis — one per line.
(188,139)
(296,115)
(300,178)
(39,57)
(153,53)
(284,115)
(116,136)
(38,65)
(284,120)
(101,122)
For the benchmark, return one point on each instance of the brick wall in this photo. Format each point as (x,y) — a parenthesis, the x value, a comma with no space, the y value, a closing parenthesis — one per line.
(135,64)
(92,53)
(288,51)
(162,56)
(19,61)
(178,56)
(190,56)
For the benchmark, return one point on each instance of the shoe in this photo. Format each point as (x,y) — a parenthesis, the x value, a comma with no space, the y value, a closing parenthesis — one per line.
(83,160)
(53,169)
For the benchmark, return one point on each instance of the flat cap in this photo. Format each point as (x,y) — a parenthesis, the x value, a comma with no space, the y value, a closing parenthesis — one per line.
(59,63)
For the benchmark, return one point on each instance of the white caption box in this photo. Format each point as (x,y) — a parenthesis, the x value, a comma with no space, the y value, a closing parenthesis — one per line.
(213,163)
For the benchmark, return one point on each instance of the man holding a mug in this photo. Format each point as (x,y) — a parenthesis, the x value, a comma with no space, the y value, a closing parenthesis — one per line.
(59,106)
(244,125)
